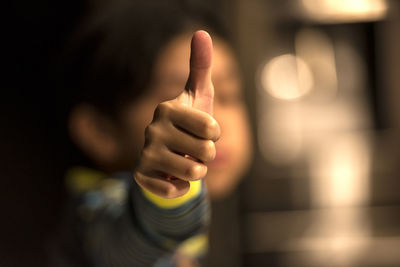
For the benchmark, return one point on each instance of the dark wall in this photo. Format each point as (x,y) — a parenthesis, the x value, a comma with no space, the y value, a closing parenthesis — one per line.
(31,167)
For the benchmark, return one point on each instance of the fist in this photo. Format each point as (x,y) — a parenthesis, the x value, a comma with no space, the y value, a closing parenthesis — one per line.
(180,139)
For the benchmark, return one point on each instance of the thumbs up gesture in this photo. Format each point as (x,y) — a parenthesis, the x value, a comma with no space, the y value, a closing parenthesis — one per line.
(180,139)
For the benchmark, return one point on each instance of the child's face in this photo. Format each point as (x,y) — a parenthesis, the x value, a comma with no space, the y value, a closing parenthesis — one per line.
(170,76)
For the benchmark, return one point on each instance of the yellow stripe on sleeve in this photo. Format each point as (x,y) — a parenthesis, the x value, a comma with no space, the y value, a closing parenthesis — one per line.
(170,203)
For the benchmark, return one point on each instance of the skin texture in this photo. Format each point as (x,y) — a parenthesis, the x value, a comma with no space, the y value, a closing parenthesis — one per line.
(183,135)
(233,149)
(180,139)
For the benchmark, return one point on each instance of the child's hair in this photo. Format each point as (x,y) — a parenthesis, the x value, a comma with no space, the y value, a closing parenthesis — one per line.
(110,58)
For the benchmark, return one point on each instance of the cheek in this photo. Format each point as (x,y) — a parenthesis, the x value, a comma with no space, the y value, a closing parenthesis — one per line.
(138,117)
(235,131)
(236,139)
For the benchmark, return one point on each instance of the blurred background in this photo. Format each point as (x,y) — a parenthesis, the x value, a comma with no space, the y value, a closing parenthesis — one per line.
(322,80)
(324,190)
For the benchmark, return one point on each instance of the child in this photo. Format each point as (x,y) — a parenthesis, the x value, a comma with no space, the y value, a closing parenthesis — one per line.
(140,105)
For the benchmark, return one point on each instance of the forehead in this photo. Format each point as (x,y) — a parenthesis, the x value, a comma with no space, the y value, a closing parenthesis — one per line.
(175,57)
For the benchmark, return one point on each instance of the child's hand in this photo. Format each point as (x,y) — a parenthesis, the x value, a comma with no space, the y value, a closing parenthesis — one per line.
(181,137)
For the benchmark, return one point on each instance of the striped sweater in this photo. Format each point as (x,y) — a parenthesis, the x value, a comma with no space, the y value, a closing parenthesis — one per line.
(114,222)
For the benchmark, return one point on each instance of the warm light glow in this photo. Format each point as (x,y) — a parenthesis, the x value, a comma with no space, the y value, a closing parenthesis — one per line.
(286,77)
(316,48)
(345,10)
(280,134)
(338,234)
(340,171)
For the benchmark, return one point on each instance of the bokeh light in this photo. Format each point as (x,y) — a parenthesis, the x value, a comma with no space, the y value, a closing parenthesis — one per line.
(333,11)
(287,77)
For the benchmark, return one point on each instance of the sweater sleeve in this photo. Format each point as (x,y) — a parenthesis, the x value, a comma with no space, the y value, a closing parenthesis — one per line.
(126,226)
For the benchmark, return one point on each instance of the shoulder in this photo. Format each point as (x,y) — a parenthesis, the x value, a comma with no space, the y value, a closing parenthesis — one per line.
(95,191)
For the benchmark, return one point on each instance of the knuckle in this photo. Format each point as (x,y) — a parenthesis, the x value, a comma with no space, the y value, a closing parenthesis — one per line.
(216,130)
(210,128)
(196,172)
(162,109)
(149,158)
(168,190)
(153,133)
(165,190)
(172,190)
(149,132)
(207,150)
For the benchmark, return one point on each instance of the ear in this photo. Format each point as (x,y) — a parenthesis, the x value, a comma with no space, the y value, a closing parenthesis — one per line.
(94,133)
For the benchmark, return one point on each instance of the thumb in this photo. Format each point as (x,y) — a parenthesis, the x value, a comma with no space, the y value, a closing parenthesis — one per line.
(199,84)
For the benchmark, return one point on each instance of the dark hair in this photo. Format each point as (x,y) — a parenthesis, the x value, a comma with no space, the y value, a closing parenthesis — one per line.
(111,57)
(109,60)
